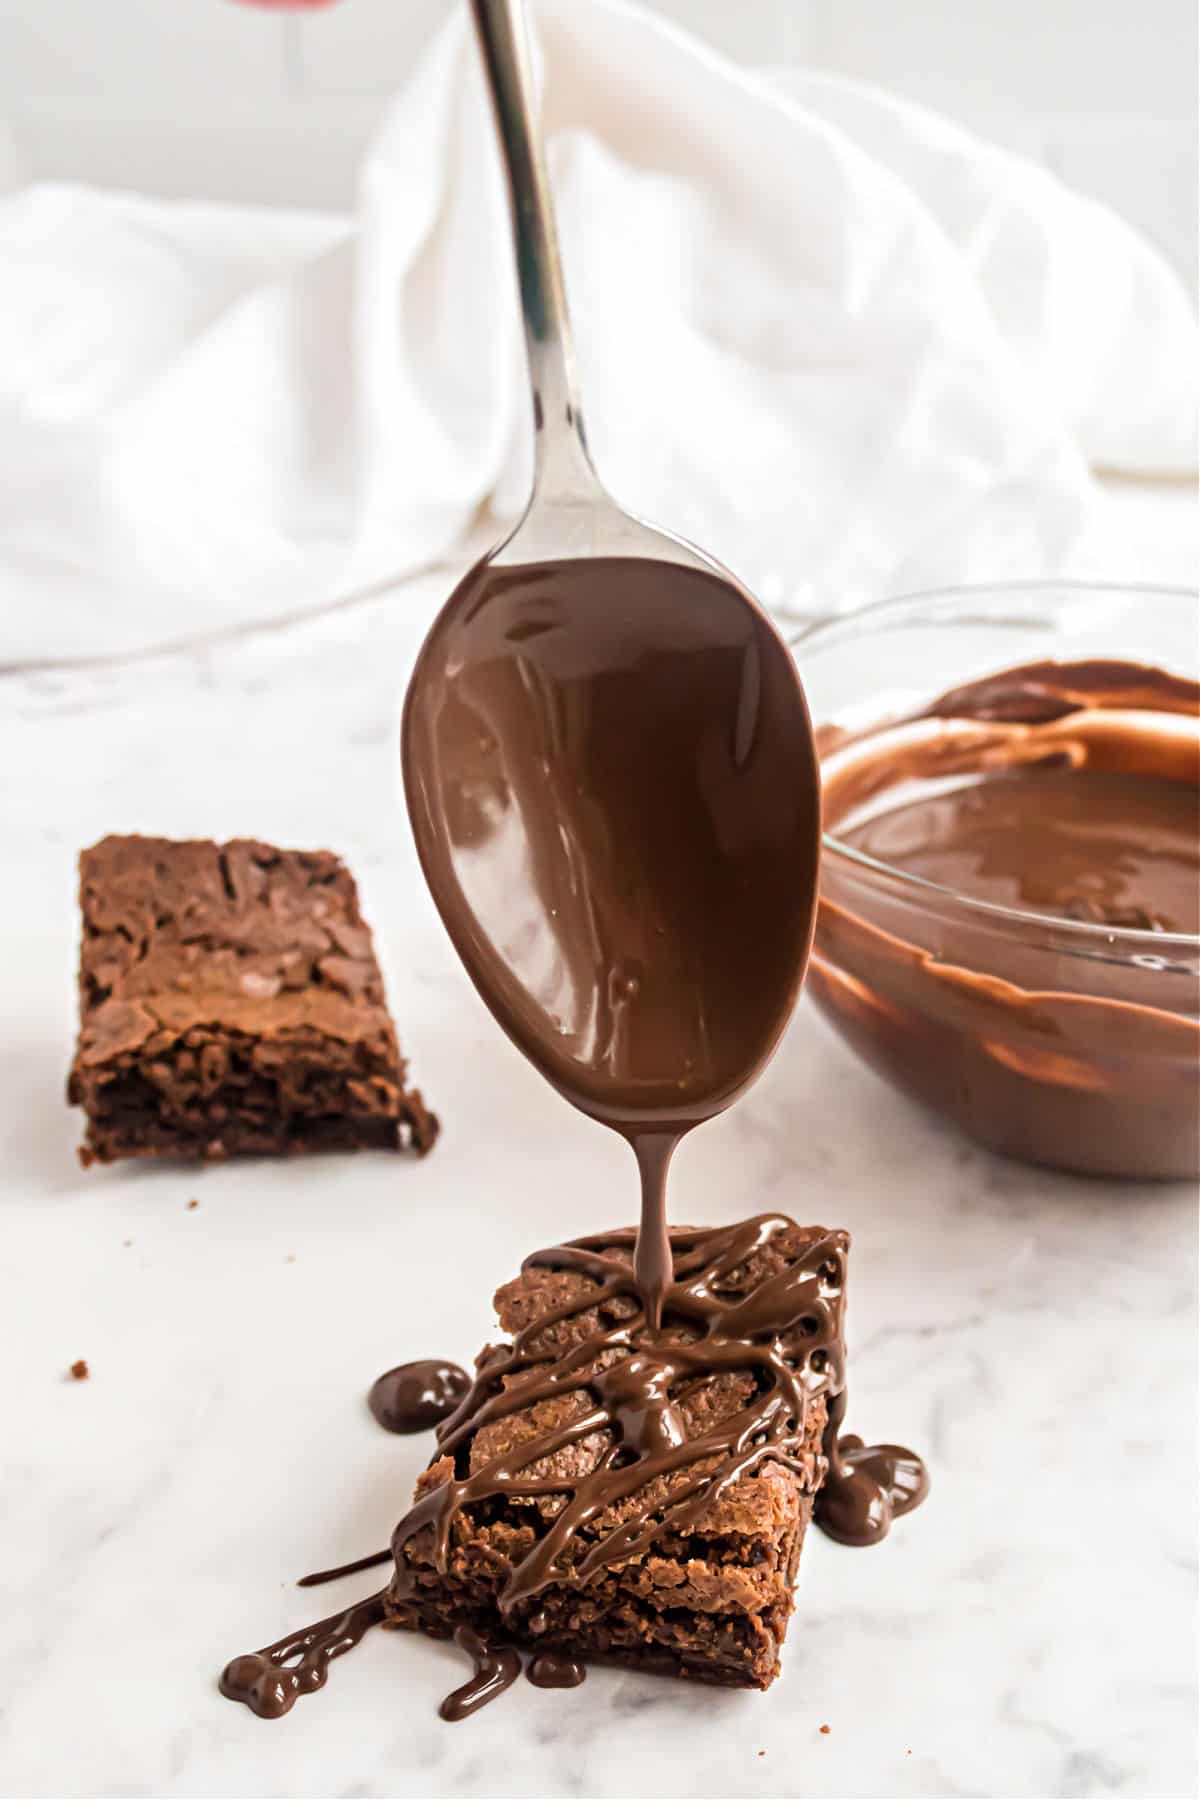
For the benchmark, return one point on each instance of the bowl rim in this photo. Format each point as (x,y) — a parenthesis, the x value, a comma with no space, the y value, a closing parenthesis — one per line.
(1087,934)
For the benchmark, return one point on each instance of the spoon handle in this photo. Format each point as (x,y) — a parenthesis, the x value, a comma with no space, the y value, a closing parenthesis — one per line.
(562,466)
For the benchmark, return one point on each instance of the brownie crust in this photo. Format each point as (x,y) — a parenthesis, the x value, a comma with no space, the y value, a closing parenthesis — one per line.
(230,1002)
(713,1605)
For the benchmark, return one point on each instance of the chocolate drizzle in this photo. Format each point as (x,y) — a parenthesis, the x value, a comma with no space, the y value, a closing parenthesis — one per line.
(351,1568)
(867,1486)
(762,1300)
(272,1680)
(416,1396)
(785,1333)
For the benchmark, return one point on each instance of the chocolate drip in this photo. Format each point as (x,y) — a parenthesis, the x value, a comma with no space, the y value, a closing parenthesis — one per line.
(272,1680)
(552,1669)
(416,1396)
(351,1568)
(866,1486)
(495,1670)
(652,1264)
(786,1332)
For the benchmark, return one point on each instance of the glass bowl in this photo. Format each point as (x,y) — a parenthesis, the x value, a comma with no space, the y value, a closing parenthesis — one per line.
(1065,1042)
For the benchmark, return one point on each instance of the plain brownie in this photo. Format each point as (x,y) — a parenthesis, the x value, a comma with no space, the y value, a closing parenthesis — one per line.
(230,1002)
(646,1579)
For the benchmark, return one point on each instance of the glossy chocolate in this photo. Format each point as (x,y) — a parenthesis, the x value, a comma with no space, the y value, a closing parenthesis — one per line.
(270,1681)
(552,1669)
(1121,850)
(1069,793)
(613,788)
(321,1576)
(495,1670)
(787,1331)
(416,1396)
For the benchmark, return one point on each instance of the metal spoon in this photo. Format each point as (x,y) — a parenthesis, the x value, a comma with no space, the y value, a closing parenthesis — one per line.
(609,765)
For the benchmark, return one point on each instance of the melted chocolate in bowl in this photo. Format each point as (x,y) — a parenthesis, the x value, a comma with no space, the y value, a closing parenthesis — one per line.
(1009,917)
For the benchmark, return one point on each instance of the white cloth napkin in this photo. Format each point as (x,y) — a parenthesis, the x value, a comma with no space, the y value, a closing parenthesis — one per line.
(840,343)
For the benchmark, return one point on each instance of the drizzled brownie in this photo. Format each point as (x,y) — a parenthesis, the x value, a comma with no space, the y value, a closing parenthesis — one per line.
(230,1002)
(612,1493)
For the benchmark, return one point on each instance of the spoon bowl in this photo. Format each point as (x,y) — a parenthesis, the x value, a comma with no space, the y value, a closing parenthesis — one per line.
(613,788)
(609,765)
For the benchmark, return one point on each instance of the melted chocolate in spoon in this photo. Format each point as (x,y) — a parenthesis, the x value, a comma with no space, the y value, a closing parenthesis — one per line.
(613,789)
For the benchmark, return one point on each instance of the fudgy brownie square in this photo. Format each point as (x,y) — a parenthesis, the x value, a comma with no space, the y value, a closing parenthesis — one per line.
(691,1572)
(230,1002)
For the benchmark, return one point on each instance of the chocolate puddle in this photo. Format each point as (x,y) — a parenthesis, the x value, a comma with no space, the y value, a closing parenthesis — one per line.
(615,800)
(416,1396)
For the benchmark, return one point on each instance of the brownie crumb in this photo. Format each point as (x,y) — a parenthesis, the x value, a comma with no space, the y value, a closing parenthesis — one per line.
(80,1370)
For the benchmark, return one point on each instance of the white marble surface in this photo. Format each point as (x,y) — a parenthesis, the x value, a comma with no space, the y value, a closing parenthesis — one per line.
(1028,1633)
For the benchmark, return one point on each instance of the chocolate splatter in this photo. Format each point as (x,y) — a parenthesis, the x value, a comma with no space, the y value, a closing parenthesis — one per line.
(416,1396)
(271,1680)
